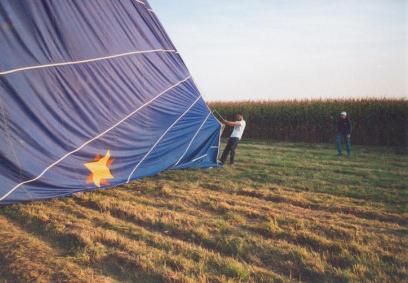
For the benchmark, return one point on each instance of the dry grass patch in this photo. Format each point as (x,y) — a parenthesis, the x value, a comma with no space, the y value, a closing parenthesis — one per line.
(284,213)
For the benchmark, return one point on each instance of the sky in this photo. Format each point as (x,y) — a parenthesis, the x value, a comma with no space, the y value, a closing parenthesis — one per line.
(279,49)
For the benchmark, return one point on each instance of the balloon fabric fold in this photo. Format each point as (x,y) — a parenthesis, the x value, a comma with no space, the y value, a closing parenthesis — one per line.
(93,94)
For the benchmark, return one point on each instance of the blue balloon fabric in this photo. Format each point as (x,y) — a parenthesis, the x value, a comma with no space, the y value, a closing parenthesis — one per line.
(93,94)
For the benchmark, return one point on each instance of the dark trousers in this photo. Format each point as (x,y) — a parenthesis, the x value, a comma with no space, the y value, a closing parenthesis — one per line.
(230,149)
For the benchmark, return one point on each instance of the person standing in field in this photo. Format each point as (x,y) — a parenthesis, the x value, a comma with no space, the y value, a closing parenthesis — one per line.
(343,133)
(239,127)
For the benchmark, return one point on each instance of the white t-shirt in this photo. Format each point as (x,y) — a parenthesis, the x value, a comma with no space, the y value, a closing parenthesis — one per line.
(239,130)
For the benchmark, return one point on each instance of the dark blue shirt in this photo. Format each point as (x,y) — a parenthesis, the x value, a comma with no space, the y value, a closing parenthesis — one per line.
(344,126)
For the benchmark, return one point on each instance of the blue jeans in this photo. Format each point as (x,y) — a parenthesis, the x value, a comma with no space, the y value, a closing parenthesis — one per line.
(339,138)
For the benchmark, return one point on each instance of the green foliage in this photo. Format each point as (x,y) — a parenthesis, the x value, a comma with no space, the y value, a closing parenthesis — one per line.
(375,121)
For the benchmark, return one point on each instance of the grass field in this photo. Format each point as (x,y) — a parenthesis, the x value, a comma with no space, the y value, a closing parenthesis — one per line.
(284,212)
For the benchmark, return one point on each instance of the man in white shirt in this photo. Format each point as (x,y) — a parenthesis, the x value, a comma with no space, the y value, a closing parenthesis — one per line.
(239,127)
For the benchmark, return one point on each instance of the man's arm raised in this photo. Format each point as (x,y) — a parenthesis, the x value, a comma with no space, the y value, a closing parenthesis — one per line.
(231,124)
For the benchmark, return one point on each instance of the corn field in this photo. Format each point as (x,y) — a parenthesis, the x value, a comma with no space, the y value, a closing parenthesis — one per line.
(375,121)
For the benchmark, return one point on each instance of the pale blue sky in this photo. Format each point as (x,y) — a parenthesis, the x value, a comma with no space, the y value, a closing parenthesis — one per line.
(279,49)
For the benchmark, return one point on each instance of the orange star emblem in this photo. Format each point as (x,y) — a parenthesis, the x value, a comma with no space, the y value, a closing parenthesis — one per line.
(100,171)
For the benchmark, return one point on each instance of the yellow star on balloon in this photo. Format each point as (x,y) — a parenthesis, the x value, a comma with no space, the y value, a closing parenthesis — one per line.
(100,171)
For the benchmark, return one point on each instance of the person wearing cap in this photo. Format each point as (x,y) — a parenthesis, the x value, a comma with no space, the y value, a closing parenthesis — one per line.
(239,126)
(343,133)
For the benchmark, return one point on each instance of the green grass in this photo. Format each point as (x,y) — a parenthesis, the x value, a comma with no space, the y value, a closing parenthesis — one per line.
(285,212)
